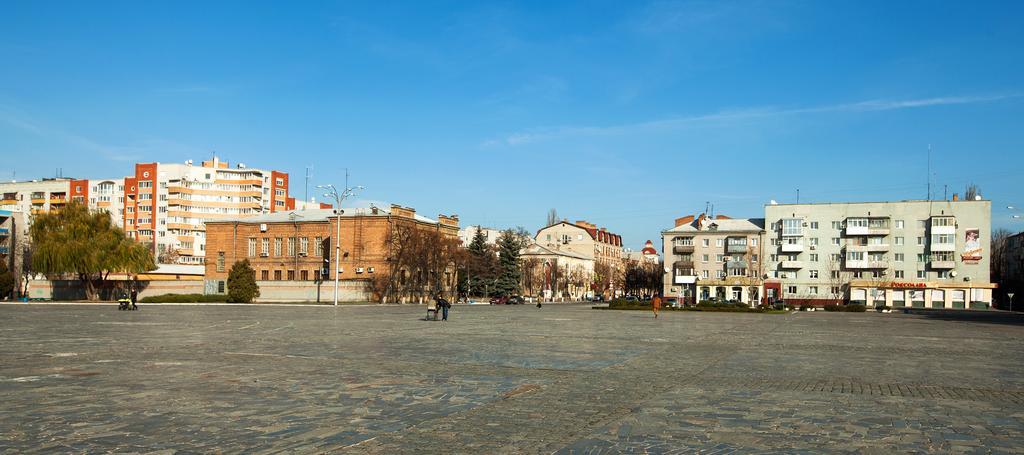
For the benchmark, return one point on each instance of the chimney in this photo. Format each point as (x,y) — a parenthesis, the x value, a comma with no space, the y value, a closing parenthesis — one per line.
(684,220)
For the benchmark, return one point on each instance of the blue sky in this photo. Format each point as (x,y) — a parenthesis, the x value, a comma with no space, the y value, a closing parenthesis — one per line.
(626,114)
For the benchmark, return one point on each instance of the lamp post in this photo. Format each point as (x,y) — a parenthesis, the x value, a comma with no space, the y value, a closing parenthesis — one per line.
(332,193)
(1009,295)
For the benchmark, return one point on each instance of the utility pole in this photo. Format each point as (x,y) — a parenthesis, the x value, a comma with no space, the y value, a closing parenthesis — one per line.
(308,175)
(929,170)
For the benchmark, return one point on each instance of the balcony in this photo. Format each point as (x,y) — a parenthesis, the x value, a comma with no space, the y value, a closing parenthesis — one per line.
(735,248)
(58,200)
(185,251)
(4,232)
(867,264)
(791,265)
(736,265)
(682,249)
(683,265)
(875,226)
(8,202)
(942,225)
(942,247)
(792,247)
(942,265)
(861,230)
(872,248)
(39,200)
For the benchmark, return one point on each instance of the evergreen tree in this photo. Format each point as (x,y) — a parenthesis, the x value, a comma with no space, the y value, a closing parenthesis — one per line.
(6,280)
(510,243)
(242,287)
(480,265)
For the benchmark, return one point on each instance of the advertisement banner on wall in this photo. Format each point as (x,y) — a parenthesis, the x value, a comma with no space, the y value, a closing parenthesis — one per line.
(972,246)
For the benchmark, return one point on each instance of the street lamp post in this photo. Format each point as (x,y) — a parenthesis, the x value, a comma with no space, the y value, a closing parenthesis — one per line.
(1009,295)
(332,193)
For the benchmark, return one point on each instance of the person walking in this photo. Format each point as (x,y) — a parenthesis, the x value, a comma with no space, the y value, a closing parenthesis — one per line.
(134,297)
(656,305)
(444,304)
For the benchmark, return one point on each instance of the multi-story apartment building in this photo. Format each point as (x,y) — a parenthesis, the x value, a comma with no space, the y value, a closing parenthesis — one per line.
(1012,268)
(718,258)
(163,204)
(169,204)
(909,253)
(37,196)
(288,246)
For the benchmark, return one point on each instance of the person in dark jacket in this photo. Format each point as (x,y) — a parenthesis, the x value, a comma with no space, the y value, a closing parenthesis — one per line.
(445,305)
(134,297)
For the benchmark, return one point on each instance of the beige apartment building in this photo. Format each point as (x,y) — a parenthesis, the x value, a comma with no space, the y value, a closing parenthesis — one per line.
(719,258)
(932,254)
(583,238)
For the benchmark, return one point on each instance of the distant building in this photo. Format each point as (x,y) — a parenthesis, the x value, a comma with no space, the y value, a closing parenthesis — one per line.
(286,249)
(1013,267)
(467,234)
(717,258)
(932,254)
(647,255)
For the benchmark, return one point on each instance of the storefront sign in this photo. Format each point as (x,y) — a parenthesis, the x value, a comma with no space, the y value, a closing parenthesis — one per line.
(908,285)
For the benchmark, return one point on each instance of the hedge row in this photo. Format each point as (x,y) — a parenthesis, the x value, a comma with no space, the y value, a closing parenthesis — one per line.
(186,298)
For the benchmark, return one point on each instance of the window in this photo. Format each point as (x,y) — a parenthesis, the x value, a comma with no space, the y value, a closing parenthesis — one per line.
(718,258)
(899,274)
(921,257)
(944,274)
(265,275)
(773,257)
(277,246)
(277,275)
(814,257)
(718,242)
(837,225)
(791,226)
(220,261)
(835,241)
(920,240)
(791,289)
(899,240)
(704,274)
(318,247)
(814,273)
(753,241)
(721,274)
(753,258)
(291,275)
(921,274)
(835,274)
(304,245)
(548,237)
(265,246)
(220,287)
(813,290)
(814,241)
(835,290)
(898,257)
(899,224)
(707,242)
(944,239)
(680,241)
(858,274)
(814,225)
(291,246)
(705,258)
(252,247)
(854,255)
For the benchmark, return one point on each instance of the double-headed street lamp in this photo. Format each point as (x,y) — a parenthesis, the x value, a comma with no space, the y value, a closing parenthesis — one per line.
(332,193)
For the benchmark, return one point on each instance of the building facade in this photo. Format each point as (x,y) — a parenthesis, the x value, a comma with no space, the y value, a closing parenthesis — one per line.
(467,233)
(583,238)
(720,258)
(555,274)
(290,246)
(931,254)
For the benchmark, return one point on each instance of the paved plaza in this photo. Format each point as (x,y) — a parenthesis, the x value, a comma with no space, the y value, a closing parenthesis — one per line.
(517,379)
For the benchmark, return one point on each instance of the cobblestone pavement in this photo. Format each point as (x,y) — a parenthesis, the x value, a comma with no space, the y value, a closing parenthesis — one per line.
(563,379)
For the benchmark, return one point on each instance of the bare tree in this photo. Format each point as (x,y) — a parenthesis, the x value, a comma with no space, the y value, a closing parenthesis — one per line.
(552,217)
(972,191)
(838,281)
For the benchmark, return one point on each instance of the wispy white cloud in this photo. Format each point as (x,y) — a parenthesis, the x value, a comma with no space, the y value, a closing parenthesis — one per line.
(733,115)
(134,152)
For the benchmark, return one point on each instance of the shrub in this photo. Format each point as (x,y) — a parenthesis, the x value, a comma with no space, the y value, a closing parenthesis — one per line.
(185,298)
(882,308)
(832,307)
(855,308)
(242,287)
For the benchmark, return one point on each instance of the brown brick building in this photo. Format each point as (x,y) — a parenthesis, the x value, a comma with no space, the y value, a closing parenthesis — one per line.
(286,248)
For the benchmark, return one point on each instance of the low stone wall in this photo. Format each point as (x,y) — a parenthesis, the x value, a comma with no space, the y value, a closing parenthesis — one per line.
(306,291)
(73,290)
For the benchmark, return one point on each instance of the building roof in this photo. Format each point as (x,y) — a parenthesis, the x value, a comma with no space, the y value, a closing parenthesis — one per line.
(904,201)
(723,225)
(313,215)
(178,269)
(600,235)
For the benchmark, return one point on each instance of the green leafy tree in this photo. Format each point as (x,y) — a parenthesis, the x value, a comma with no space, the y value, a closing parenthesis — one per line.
(6,280)
(510,272)
(75,241)
(242,287)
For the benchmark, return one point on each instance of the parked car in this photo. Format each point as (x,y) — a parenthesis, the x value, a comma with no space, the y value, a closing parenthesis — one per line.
(499,300)
(631,298)
(515,300)
(597,298)
(672,302)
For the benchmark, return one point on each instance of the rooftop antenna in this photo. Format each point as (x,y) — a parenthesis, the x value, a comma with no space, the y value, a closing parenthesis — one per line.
(308,175)
(707,207)
(945,188)
(929,170)
(798,195)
